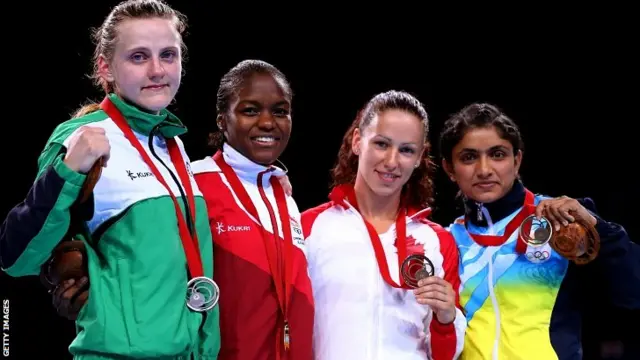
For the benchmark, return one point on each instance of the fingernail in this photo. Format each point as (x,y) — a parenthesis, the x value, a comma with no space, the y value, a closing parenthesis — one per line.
(83,280)
(557,227)
(565,223)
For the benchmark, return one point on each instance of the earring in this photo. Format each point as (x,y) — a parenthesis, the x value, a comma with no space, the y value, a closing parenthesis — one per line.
(355,152)
(417,165)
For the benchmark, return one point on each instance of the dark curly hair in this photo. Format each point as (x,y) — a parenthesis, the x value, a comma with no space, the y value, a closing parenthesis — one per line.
(418,190)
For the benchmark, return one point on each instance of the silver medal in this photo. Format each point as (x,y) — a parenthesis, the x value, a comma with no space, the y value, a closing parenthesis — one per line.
(202,294)
(535,232)
(415,268)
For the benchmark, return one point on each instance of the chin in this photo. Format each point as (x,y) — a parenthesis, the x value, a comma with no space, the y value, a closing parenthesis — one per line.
(263,155)
(263,158)
(155,102)
(154,106)
(486,197)
(384,191)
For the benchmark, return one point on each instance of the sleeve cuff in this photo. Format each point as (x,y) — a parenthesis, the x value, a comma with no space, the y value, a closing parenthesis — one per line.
(441,328)
(67,174)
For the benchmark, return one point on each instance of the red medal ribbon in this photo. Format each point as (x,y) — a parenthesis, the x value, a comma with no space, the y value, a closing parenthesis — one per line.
(189,240)
(279,260)
(528,208)
(400,242)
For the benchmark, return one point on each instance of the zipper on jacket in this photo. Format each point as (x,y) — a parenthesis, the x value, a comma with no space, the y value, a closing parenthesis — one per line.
(496,310)
(190,224)
(279,251)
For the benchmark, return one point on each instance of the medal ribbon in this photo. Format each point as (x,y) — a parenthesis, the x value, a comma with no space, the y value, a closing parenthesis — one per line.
(528,208)
(279,261)
(189,239)
(400,242)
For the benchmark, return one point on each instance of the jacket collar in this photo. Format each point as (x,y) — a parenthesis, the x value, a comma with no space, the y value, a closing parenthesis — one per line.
(143,122)
(246,168)
(497,210)
(345,196)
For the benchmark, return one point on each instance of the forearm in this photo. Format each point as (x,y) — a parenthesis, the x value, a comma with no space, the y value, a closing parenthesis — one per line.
(34,227)
(447,340)
(618,261)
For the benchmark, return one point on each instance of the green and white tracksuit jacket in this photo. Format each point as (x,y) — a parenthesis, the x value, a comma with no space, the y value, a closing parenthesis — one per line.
(137,265)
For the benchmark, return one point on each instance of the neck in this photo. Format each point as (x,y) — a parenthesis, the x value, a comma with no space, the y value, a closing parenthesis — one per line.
(498,209)
(375,207)
(131,103)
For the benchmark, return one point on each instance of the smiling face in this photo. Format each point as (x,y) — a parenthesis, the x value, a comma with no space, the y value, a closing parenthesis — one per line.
(258,124)
(389,148)
(483,164)
(146,68)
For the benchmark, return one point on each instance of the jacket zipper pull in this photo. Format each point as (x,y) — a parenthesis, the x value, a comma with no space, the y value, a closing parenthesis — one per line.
(287,341)
(479,211)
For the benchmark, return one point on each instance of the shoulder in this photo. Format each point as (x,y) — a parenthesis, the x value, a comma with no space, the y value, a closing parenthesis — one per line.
(444,235)
(59,138)
(204,166)
(64,130)
(310,216)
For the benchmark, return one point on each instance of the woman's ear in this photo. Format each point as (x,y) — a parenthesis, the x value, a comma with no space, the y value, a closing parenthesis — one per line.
(221,122)
(355,141)
(104,69)
(448,168)
(518,161)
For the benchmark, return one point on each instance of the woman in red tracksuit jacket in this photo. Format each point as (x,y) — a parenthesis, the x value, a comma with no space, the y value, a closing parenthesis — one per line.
(266,302)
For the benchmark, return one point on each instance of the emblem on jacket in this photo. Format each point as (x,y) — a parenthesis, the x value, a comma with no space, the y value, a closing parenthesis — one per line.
(221,227)
(296,232)
(538,254)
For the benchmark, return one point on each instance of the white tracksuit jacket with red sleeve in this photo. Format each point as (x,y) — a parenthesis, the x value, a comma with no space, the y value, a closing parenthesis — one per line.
(357,314)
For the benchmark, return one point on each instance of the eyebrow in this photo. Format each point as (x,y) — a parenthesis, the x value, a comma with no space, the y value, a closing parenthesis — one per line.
(493,148)
(390,140)
(257,103)
(144,48)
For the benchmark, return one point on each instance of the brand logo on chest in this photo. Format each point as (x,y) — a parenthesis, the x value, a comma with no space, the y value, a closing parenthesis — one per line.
(221,228)
(139,174)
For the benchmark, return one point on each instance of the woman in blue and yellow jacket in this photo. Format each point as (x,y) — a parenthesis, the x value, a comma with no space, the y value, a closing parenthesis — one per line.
(523,300)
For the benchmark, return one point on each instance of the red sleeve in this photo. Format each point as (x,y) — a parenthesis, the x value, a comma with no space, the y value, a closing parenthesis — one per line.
(444,338)
(308,217)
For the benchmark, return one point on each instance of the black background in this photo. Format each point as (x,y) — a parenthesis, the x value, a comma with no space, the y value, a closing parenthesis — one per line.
(568,77)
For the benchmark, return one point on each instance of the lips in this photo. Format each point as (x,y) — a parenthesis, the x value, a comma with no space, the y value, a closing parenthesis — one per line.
(387,177)
(155,87)
(265,140)
(486,184)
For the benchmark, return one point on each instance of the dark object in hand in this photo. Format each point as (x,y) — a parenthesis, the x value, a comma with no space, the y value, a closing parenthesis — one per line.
(579,242)
(68,261)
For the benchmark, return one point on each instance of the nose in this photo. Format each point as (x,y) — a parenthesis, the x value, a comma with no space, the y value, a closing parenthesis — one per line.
(156,68)
(266,121)
(483,168)
(391,159)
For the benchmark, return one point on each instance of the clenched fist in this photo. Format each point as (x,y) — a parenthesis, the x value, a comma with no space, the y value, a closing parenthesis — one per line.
(87,146)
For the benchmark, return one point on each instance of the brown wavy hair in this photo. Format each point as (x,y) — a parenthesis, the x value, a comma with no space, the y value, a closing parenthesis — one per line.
(418,191)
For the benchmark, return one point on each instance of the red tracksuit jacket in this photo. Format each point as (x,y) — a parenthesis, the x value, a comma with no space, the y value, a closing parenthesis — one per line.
(259,274)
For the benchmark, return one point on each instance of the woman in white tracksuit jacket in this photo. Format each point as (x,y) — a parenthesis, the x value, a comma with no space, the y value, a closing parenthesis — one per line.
(356,243)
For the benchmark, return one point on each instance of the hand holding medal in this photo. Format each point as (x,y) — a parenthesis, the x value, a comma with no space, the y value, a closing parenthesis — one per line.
(437,293)
(566,226)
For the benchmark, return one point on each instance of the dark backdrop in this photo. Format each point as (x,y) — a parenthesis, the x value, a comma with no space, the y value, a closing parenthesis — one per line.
(568,80)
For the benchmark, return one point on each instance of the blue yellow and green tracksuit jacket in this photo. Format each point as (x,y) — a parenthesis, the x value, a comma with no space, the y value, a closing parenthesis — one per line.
(136,306)
(530,309)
